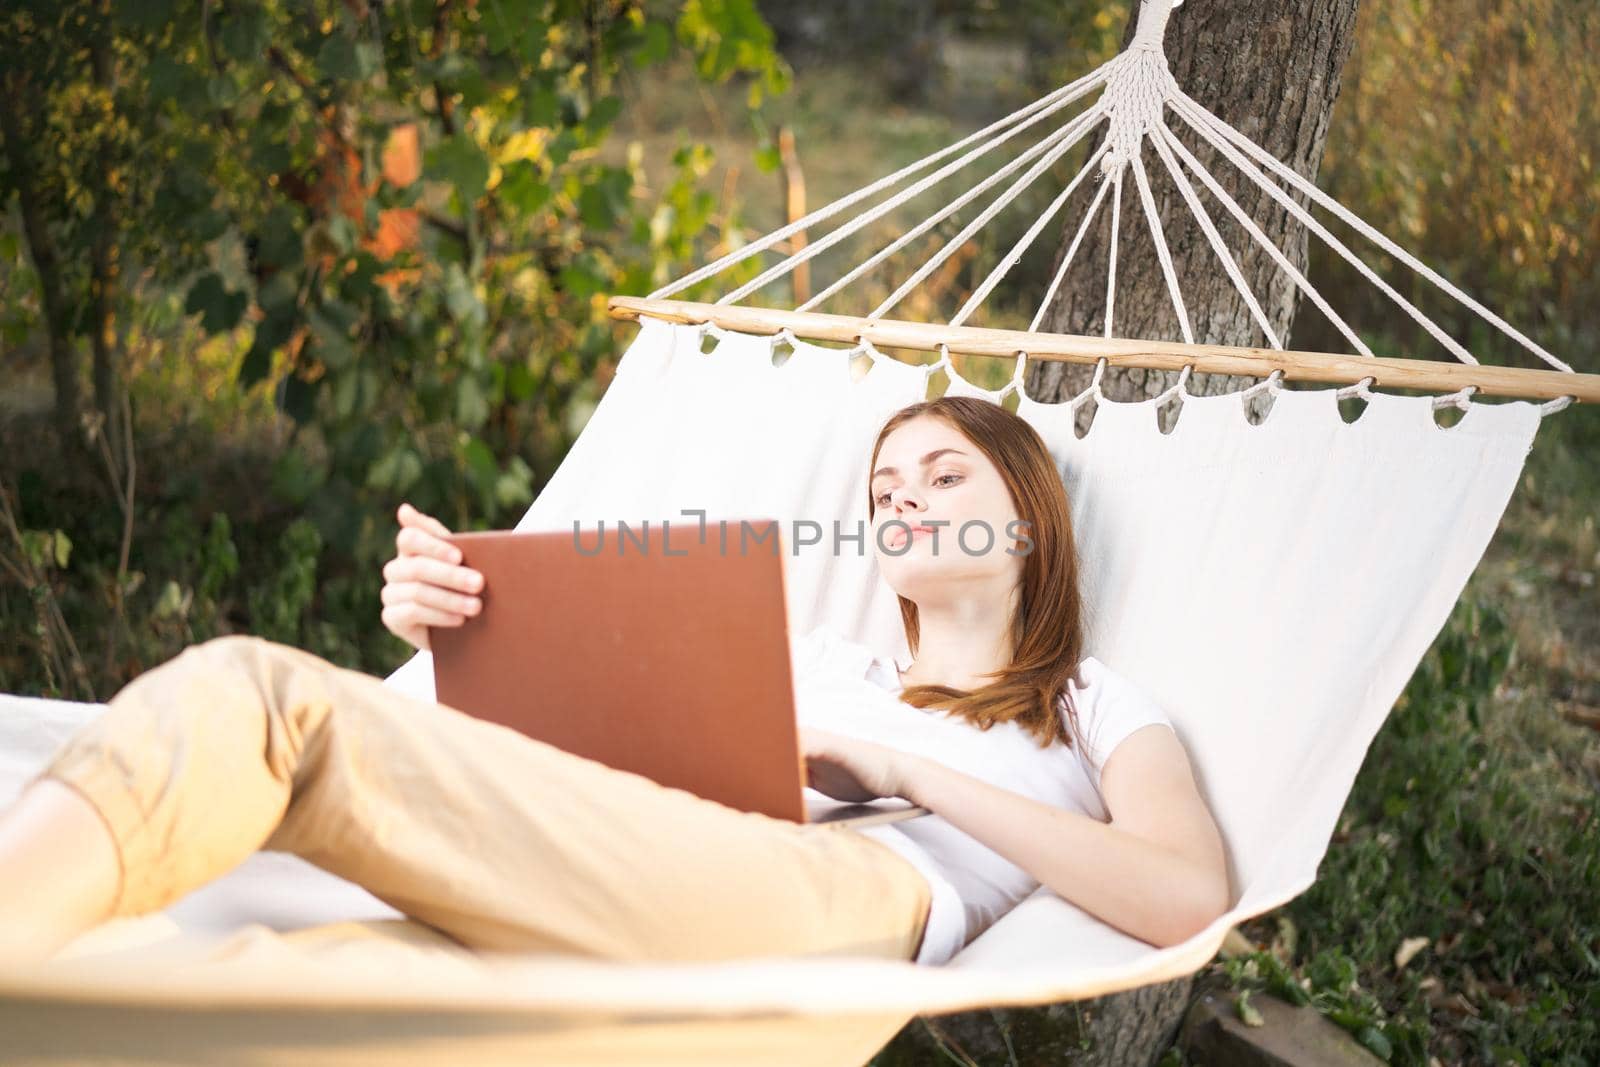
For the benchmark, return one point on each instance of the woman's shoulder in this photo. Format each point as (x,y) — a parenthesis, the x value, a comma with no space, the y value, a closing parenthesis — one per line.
(1108,706)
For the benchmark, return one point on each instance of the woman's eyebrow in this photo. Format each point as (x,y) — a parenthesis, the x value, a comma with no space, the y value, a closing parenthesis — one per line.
(929,458)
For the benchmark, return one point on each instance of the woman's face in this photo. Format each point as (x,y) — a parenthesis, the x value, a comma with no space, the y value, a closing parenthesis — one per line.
(931,478)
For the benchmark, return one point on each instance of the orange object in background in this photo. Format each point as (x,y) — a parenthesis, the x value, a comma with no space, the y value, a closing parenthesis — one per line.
(337,187)
(398,227)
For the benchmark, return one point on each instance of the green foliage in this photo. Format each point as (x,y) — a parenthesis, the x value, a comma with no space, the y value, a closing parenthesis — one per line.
(47,549)
(1463,132)
(1445,838)
(278,608)
(399,213)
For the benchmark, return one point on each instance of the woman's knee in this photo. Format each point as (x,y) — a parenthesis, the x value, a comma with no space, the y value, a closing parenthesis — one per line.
(234,648)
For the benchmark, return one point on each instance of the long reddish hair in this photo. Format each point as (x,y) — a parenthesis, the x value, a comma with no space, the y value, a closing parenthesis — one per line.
(1046,628)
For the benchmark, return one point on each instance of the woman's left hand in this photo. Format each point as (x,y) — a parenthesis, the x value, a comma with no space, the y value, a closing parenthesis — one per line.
(848,768)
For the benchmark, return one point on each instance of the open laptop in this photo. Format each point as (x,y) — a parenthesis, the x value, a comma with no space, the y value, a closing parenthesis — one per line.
(660,648)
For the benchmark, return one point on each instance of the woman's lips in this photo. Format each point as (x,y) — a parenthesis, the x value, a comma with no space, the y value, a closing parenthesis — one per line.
(903,536)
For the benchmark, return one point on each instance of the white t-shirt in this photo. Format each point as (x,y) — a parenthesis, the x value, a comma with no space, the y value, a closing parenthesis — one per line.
(844,687)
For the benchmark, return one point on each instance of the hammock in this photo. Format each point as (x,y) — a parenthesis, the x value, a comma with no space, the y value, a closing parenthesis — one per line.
(1273,586)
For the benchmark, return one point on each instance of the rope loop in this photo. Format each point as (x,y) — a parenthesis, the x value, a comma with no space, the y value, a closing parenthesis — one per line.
(1363,389)
(1176,387)
(1273,381)
(944,361)
(783,336)
(712,329)
(1016,371)
(1461,398)
(1550,407)
(1094,386)
(864,347)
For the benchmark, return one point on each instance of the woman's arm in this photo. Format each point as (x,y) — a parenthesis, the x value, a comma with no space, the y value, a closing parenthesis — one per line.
(1156,870)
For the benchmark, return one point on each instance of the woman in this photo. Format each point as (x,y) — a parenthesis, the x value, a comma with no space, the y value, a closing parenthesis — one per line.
(1039,765)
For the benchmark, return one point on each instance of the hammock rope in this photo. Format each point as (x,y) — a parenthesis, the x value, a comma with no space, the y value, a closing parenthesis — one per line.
(1137,93)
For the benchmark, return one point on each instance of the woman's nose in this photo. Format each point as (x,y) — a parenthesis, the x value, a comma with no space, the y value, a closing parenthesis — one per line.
(905,501)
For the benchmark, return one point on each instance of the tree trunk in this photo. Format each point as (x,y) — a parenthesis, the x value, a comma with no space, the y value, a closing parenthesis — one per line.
(1271,69)
(18,101)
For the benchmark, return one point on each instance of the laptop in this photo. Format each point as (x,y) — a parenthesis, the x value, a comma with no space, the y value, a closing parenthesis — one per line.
(660,648)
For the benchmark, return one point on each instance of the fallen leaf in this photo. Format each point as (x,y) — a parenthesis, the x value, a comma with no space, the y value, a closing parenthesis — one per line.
(1408,950)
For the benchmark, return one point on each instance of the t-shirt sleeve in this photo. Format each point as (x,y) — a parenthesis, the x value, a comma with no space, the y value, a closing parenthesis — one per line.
(1110,708)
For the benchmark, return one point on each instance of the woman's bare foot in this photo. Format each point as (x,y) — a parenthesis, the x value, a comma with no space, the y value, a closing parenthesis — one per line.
(61,871)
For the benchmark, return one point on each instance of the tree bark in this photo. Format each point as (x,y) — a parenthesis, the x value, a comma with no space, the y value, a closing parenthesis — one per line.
(18,100)
(1271,69)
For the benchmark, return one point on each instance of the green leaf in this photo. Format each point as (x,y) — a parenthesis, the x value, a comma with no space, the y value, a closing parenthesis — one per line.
(343,58)
(343,232)
(461,299)
(582,278)
(299,399)
(256,365)
(272,333)
(560,147)
(278,292)
(222,91)
(280,244)
(295,478)
(472,406)
(1374,1041)
(269,156)
(514,488)
(150,16)
(522,189)
(655,46)
(519,382)
(460,162)
(481,466)
(246,35)
(173,602)
(397,471)
(542,107)
(165,77)
(333,341)
(594,208)
(207,225)
(63,549)
(220,309)
(604,113)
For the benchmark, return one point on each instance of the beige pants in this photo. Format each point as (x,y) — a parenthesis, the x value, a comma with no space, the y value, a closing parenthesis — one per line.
(500,841)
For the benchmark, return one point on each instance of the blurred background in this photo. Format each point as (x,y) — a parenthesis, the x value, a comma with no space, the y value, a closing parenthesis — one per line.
(269,268)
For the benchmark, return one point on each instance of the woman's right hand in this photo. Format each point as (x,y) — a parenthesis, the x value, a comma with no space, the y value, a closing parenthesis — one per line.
(425,585)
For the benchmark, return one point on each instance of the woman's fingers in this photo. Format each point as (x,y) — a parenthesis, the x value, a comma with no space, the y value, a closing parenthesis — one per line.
(411,615)
(410,622)
(410,516)
(430,596)
(433,572)
(415,541)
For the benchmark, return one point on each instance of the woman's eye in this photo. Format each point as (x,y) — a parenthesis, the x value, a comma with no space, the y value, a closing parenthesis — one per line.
(942,477)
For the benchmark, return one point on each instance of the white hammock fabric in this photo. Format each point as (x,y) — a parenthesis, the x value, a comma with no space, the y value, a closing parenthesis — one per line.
(1273,586)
